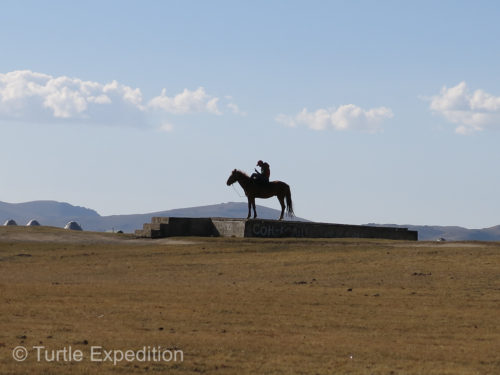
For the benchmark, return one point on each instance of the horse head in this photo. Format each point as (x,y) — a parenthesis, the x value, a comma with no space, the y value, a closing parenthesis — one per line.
(233,178)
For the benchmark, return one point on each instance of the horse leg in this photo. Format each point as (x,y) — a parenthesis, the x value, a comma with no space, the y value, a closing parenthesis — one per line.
(254,209)
(282,203)
(249,208)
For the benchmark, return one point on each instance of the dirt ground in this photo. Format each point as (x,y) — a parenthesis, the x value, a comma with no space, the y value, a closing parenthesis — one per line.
(76,301)
(57,235)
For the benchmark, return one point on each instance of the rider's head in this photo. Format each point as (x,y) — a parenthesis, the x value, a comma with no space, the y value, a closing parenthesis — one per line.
(260,163)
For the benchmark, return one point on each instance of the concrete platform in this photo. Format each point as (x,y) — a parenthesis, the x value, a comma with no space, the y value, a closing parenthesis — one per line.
(227,227)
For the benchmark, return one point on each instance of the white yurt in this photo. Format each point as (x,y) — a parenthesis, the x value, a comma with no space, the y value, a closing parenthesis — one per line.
(73,225)
(33,223)
(10,222)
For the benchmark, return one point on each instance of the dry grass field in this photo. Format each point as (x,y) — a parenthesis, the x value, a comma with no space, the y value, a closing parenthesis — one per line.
(248,306)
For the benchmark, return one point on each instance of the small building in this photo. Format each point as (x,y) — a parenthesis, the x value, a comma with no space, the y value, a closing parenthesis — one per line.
(10,222)
(33,223)
(73,225)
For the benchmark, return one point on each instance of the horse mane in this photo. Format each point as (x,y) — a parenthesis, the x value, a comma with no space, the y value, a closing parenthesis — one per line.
(241,172)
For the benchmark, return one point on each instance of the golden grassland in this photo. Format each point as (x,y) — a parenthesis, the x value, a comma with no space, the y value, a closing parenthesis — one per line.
(250,306)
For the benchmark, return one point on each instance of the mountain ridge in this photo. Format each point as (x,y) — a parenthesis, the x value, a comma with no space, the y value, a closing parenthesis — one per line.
(58,214)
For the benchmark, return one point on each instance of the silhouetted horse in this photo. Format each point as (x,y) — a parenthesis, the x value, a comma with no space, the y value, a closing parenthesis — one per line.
(255,189)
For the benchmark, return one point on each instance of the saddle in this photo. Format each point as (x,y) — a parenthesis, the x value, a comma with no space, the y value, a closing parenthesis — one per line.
(260,181)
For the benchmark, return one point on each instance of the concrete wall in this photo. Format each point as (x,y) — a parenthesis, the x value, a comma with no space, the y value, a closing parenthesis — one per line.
(276,229)
(229,227)
(209,227)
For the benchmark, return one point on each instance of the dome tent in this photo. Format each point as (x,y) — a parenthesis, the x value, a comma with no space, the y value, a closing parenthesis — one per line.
(10,222)
(73,225)
(33,223)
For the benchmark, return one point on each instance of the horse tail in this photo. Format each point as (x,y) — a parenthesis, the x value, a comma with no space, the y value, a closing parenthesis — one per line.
(289,203)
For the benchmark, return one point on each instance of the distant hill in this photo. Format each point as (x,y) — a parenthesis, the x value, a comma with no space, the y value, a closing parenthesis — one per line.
(58,214)
(46,212)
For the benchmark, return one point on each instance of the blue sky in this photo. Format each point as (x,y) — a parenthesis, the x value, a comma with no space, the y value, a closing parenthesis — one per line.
(372,111)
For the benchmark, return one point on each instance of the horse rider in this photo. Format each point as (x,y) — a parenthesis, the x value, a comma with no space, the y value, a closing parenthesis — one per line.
(264,174)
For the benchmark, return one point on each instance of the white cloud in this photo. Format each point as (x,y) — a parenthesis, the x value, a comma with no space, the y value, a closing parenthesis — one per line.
(101,99)
(126,93)
(345,117)
(30,96)
(186,102)
(235,109)
(23,92)
(471,111)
